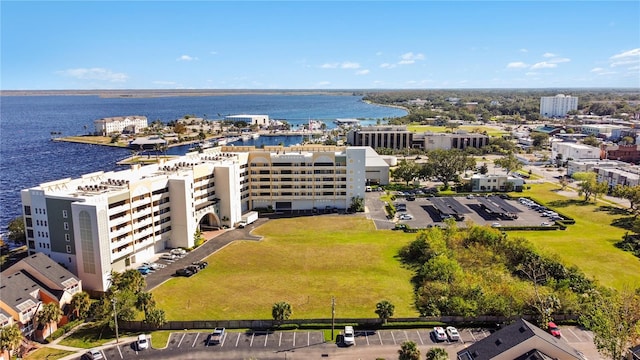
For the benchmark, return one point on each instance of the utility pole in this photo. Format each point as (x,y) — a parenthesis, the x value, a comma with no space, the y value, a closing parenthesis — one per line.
(115,318)
(333,315)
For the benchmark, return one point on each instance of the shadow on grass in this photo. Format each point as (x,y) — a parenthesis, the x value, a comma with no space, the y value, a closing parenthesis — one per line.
(568,202)
(613,210)
(624,222)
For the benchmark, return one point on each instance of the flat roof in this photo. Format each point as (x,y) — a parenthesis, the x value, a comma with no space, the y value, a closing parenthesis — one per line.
(498,205)
(449,206)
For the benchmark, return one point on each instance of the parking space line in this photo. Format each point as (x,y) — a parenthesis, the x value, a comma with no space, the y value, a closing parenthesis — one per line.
(280,340)
(588,335)
(574,334)
(294,339)
(266,337)
(223,339)
(483,333)
(366,335)
(308,339)
(121,357)
(420,337)
(238,340)
(393,337)
(380,337)
(183,335)
(471,333)
(195,340)
(252,336)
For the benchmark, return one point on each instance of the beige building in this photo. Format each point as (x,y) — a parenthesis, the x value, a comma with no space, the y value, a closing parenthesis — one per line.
(121,124)
(398,137)
(259,120)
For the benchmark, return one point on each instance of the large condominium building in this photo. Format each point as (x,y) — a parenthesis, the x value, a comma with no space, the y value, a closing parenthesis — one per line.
(260,120)
(557,106)
(398,137)
(108,221)
(564,151)
(120,124)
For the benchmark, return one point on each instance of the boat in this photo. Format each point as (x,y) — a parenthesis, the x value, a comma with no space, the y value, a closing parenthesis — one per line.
(246,137)
(222,141)
(346,122)
(255,135)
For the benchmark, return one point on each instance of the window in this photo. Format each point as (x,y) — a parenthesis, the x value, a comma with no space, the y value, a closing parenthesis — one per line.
(66,225)
(68,249)
(64,214)
(67,237)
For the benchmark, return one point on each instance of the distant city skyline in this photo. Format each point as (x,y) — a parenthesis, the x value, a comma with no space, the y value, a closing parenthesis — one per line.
(67,45)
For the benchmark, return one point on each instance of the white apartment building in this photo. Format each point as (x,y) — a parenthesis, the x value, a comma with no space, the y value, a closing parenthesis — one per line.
(557,106)
(121,124)
(107,221)
(563,151)
(260,120)
(575,166)
(601,130)
(487,182)
(615,177)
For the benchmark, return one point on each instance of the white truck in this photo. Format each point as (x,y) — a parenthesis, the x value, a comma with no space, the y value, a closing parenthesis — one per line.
(248,218)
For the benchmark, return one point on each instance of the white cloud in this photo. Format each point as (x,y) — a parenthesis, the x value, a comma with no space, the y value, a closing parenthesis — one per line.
(524,50)
(596,70)
(549,55)
(531,73)
(410,58)
(186,58)
(362,72)
(387,66)
(329,66)
(517,65)
(559,60)
(543,65)
(213,52)
(631,57)
(349,65)
(94,74)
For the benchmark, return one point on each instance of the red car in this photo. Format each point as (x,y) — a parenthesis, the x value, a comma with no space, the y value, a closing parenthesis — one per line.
(553,329)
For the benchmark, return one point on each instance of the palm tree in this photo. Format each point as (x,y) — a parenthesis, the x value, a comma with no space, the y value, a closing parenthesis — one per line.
(155,317)
(409,351)
(437,354)
(384,309)
(10,337)
(281,311)
(145,302)
(50,313)
(80,304)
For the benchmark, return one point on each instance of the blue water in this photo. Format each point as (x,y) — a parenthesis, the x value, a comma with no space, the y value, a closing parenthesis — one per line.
(28,157)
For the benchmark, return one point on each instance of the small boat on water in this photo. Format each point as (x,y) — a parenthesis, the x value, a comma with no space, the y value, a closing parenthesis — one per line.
(246,137)
(222,141)
(255,135)
(346,122)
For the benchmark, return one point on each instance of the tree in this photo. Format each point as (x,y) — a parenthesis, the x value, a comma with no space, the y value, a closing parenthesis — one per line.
(631,193)
(16,230)
(281,311)
(591,140)
(357,204)
(406,171)
(589,186)
(385,310)
(484,169)
(80,304)
(10,337)
(539,139)
(129,280)
(509,163)
(615,321)
(49,313)
(155,317)
(409,351)
(145,302)
(445,165)
(437,354)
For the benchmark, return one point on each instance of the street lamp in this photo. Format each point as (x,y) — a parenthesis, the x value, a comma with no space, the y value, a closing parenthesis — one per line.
(333,315)
(115,318)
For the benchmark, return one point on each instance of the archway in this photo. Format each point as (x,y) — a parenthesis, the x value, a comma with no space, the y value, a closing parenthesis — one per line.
(209,222)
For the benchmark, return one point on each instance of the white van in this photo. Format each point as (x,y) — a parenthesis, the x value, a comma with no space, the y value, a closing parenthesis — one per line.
(349,336)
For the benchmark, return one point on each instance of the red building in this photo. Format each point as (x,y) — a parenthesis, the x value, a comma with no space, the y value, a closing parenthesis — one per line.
(626,153)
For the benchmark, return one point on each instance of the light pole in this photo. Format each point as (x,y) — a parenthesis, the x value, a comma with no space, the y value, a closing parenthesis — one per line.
(333,315)
(115,318)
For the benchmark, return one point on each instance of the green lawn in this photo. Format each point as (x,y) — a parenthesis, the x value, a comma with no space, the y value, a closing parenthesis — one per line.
(491,131)
(304,261)
(589,243)
(90,336)
(46,353)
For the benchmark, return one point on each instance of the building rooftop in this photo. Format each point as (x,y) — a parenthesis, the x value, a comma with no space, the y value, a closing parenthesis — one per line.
(49,269)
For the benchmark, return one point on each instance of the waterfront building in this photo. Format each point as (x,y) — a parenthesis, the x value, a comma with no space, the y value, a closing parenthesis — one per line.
(109,221)
(398,137)
(120,125)
(259,120)
(557,106)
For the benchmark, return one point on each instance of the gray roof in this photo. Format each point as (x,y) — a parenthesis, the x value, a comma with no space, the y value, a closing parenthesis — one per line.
(48,269)
(510,336)
(18,288)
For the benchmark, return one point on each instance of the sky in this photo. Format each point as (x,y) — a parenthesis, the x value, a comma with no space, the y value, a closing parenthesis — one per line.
(84,45)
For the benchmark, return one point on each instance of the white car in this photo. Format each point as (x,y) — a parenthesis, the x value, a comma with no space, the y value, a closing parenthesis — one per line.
(496,224)
(179,251)
(439,334)
(349,336)
(168,257)
(94,354)
(453,333)
(405,217)
(143,342)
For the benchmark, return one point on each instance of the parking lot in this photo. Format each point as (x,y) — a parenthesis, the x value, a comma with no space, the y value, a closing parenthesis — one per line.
(242,344)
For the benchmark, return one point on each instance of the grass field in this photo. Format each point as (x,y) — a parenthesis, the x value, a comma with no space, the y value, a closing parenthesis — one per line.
(303,261)
(46,353)
(589,244)
(491,131)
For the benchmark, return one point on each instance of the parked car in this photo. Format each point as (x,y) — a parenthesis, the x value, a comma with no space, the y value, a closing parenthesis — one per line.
(453,333)
(405,217)
(216,336)
(439,334)
(168,257)
(144,270)
(178,251)
(94,354)
(193,268)
(496,224)
(184,272)
(349,336)
(143,342)
(200,264)
(553,329)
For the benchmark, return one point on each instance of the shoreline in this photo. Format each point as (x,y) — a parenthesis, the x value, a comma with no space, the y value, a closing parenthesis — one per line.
(152,93)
